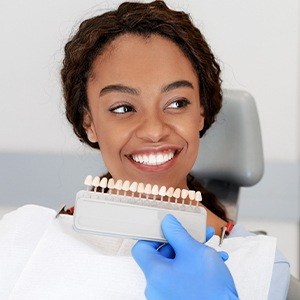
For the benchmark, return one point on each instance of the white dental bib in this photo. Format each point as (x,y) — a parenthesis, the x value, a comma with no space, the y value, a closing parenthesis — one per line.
(44,258)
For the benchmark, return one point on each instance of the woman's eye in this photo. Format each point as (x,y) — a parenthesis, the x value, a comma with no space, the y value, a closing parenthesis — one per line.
(122,109)
(179,103)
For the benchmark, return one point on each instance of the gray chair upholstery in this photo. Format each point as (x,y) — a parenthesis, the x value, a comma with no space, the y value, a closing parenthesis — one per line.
(231,152)
(231,156)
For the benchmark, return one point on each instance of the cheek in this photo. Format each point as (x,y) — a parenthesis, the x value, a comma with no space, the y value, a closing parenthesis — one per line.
(189,128)
(111,138)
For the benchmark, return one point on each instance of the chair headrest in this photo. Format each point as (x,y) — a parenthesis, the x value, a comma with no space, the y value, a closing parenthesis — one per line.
(231,150)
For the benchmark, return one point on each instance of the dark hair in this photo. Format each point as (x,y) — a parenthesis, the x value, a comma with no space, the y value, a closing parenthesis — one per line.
(142,19)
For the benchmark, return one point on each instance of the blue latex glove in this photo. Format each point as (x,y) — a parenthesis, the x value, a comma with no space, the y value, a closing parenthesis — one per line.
(167,251)
(195,271)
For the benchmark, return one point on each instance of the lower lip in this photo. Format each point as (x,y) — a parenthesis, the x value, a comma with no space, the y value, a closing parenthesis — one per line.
(154,168)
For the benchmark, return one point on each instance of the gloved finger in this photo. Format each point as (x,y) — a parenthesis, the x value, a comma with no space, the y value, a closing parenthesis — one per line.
(154,244)
(210,231)
(167,251)
(224,255)
(176,234)
(146,255)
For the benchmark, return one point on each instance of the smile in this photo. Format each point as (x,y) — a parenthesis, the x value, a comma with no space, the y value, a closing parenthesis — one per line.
(153,159)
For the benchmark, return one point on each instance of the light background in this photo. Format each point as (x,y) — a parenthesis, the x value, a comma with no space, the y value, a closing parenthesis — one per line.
(258,45)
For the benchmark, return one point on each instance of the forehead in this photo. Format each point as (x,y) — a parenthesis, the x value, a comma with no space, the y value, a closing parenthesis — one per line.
(134,57)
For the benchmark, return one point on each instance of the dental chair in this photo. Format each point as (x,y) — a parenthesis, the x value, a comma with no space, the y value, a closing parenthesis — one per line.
(231,156)
(231,153)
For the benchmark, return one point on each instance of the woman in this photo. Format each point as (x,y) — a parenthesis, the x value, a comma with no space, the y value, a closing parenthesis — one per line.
(141,84)
(142,81)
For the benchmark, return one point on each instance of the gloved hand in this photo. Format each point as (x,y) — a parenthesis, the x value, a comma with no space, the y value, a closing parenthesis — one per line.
(195,270)
(167,251)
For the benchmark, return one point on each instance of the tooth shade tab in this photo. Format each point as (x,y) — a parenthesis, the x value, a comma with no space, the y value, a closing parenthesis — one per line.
(118,184)
(148,189)
(192,195)
(126,185)
(88,180)
(96,181)
(103,182)
(162,191)
(170,192)
(184,193)
(140,188)
(111,183)
(198,196)
(176,193)
(133,187)
(154,190)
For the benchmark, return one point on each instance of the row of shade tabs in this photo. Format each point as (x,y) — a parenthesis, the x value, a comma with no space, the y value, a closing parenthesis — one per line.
(142,189)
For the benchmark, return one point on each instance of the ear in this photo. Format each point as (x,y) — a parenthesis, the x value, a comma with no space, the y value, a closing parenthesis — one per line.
(89,127)
(201,119)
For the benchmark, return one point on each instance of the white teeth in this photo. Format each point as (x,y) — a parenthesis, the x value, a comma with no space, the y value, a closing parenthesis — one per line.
(153,159)
(159,159)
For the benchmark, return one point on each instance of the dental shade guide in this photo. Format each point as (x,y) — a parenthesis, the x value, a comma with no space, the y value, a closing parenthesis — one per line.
(136,210)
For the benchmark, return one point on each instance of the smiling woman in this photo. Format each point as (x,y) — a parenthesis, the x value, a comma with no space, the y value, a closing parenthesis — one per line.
(141,84)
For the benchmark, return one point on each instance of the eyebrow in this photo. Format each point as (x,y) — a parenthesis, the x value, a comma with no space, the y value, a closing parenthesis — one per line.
(120,88)
(176,85)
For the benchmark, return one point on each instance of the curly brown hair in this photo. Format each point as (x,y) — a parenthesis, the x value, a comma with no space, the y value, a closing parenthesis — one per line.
(145,19)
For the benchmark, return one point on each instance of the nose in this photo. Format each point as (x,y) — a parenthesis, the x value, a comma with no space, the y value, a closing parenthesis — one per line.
(153,128)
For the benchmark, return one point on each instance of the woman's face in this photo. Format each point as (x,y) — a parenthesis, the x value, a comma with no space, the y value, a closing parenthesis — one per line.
(145,110)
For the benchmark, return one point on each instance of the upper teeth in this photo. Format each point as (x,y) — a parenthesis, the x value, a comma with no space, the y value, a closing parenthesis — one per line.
(153,159)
